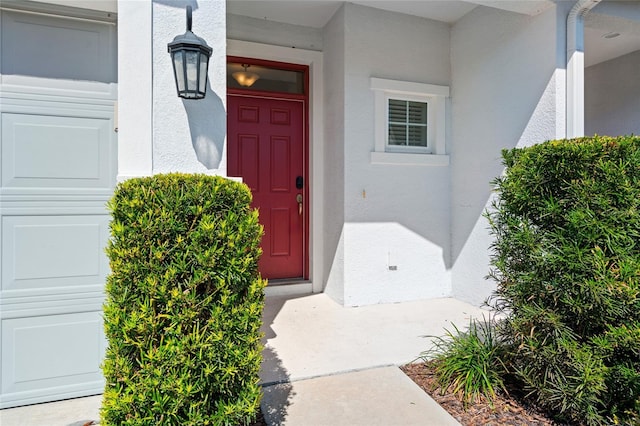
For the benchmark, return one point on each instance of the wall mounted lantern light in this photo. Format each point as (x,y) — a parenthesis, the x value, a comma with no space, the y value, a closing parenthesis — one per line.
(190,57)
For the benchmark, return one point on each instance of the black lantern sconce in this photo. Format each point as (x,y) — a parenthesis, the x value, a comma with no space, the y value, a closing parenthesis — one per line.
(190,57)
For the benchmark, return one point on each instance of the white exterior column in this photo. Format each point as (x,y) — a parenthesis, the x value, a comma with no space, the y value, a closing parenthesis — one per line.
(135,121)
(575,67)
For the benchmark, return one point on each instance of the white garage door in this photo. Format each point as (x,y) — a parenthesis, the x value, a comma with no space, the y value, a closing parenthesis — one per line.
(57,170)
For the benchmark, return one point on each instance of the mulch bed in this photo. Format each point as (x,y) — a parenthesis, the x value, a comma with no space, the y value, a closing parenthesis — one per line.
(506,410)
(259,421)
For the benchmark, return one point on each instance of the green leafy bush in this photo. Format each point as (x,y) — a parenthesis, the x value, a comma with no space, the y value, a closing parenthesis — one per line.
(184,303)
(566,258)
(469,363)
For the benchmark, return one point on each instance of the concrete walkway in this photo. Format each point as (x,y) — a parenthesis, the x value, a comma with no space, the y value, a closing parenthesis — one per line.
(323,365)
(329,365)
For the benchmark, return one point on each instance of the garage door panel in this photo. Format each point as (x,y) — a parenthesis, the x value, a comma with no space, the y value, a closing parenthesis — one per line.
(56,151)
(51,354)
(45,252)
(58,165)
(57,48)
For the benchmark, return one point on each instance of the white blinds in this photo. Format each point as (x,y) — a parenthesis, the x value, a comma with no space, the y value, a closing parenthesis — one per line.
(407,123)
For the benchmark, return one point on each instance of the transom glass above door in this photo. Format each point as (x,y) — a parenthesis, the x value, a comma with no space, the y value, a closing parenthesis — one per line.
(260,78)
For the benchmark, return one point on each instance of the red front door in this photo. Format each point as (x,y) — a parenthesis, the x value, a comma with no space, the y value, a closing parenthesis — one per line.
(266,148)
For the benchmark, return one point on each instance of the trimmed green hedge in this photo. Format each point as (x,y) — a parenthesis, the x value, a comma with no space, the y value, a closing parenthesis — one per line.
(184,303)
(566,258)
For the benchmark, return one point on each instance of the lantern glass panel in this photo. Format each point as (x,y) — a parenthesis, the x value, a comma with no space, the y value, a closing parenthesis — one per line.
(203,73)
(178,67)
(192,70)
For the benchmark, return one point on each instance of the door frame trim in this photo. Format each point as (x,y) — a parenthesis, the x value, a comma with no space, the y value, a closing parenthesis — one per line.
(314,60)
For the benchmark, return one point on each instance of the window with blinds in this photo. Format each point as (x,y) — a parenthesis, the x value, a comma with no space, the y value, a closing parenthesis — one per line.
(407,124)
(410,123)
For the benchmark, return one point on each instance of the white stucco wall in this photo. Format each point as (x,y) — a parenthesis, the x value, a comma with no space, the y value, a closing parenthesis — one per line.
(612,96)
(135,91)
(274,33)
(189,135)
(159,132)
(393,215)
(334,125)
(508,85)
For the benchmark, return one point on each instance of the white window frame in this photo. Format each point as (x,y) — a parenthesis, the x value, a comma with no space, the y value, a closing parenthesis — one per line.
(435,97)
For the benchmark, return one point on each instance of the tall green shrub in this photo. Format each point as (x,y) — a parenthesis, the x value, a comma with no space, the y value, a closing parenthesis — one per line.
(184,303)
(566,258)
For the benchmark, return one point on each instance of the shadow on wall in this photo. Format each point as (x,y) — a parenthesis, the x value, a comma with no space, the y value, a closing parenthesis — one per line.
(208,126)
(479,160)
(611,96)
(507,74)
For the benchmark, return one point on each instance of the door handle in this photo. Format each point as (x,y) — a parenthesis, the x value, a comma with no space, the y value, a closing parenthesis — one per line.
(299,200)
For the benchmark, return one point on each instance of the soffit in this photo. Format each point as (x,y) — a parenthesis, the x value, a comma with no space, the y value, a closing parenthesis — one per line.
(442,10)
(316,13)
(308,13)
(607,18)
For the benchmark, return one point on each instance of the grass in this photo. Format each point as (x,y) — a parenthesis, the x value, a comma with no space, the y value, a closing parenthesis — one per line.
(469,363)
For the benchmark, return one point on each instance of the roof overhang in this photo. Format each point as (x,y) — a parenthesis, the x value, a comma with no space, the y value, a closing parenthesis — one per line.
(316,13)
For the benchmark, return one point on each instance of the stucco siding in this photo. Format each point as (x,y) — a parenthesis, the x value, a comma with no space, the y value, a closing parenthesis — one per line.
(275,33)
(391,232)
(188,135)
(135,75)
(612,96)
(507,91)
(395,215)
(334,163)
